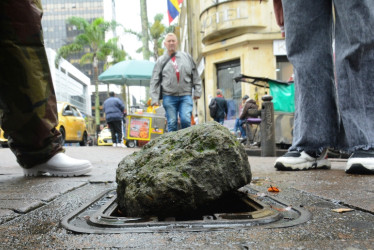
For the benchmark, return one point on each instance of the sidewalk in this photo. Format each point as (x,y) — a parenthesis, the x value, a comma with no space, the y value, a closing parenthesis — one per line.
(31,208)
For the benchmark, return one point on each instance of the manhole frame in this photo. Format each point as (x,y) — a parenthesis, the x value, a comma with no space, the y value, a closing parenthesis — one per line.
(100,222)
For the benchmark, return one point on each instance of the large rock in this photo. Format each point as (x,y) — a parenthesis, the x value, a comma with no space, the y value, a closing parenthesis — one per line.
(181,172)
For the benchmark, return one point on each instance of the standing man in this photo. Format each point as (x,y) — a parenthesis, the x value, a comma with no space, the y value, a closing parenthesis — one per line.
(27,97)
(114,112)
(221,111)
(175,77)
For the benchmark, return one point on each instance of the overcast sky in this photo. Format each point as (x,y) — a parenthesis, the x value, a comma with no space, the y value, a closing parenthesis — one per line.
(128,14)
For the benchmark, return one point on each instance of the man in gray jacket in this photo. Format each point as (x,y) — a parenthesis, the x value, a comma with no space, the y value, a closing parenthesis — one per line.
(179,80)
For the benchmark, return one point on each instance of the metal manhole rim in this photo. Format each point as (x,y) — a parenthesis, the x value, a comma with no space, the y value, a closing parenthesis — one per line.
(198,225)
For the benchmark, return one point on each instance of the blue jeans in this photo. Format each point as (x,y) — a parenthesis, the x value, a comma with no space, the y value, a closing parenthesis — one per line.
(175,105)
(220,120)
(331,112)
(239,125)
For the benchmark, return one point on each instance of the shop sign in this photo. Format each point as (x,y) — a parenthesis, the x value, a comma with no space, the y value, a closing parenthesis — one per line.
(279,47)
(226,15)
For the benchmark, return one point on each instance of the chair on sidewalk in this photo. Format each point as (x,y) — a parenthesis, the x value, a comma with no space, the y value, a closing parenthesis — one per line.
(248,123)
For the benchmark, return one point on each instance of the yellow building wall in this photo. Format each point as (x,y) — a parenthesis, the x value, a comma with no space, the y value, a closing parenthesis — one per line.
(229,30)
(256,59)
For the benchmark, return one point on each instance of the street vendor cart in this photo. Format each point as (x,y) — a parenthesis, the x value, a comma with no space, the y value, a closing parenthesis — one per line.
(143,127)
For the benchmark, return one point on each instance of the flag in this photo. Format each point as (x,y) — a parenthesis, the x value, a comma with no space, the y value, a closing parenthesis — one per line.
(173,9)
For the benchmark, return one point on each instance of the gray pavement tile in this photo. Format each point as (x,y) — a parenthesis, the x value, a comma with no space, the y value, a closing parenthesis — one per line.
(7,214)
(20,205)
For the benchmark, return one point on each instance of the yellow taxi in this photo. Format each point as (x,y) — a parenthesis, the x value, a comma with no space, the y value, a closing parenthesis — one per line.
(3,139)
(104,137)
(71,124)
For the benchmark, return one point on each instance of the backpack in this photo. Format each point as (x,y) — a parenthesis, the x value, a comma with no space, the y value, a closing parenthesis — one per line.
(213,108)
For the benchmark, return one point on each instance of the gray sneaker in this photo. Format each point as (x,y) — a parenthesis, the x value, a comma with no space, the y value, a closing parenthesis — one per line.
(361,162)
(295,160)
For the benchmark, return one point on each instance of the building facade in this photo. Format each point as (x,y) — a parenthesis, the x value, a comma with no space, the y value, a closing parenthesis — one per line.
(70,84)
(228,38)
(57,32)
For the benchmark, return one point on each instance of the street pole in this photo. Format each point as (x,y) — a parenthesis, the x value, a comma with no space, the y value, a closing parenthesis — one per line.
(267,127)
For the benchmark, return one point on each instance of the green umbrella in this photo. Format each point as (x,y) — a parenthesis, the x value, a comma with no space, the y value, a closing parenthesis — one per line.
(130,73)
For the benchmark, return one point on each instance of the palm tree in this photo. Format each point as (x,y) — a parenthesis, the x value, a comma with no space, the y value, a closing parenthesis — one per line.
(157,32)
(145,28)
(93,37)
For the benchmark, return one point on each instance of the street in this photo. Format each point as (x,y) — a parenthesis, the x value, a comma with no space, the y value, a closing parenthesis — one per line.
(31,209)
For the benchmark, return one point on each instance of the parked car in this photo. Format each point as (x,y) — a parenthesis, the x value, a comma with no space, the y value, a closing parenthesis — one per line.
(71,124)
(3,139)
(105,137)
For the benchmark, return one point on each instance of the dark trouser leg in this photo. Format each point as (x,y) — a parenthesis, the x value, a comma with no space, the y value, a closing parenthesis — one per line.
(309,26)
(27,96)
(116,131)
(112,132)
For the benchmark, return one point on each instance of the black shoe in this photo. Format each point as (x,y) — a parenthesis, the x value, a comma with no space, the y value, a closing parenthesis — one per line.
(361,162)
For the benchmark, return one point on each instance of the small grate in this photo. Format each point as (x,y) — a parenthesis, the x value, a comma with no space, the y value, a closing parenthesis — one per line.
(235,212)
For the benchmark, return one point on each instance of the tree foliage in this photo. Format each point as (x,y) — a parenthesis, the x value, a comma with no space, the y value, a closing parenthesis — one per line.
(157,31)
(92,36)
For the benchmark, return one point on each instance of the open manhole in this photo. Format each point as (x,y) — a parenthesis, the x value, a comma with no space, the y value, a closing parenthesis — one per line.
(242,210)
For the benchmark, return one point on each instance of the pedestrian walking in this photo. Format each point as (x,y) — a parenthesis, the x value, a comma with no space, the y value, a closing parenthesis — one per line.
(27,96)
(330,112)
(175,80)
(220,112)
(114,112)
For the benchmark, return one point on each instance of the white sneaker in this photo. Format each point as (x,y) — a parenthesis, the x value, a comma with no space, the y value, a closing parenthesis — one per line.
(361,162)
(60,165)
(114,145)
(295,160)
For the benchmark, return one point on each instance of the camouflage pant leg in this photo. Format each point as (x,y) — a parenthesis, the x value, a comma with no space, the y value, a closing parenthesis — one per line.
(27,96)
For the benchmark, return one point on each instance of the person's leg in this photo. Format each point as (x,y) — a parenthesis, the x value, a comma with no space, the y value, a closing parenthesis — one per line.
(170,104)
(185,110)
(354,43)
(220,120)
(308,27)
(236,125)
(113,133)
(241,129)
(27,96)
(118,131)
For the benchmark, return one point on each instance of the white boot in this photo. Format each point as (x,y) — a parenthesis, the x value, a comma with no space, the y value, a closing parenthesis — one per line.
(60,165)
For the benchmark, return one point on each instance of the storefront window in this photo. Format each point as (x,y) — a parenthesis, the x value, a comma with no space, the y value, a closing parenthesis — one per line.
(232,91)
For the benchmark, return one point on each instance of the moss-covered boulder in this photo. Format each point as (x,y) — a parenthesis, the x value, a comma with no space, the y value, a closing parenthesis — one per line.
(180,172)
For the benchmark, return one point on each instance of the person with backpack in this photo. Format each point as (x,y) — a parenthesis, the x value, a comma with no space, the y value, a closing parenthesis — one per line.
(114,113)
(218,107)
(175,79)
